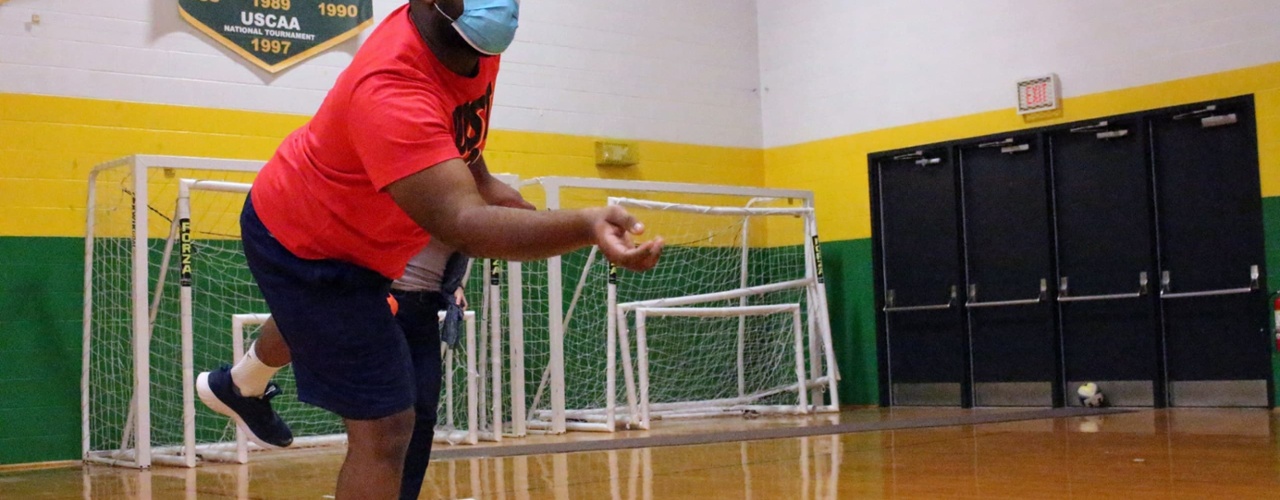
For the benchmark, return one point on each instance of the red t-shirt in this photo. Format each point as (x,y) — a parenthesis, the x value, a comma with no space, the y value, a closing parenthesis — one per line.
(395,111)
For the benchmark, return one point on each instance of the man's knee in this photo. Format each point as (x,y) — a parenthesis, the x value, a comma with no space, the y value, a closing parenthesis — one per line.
(385,438)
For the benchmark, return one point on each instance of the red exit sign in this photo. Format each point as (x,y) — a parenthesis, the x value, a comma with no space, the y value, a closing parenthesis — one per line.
(1038,94)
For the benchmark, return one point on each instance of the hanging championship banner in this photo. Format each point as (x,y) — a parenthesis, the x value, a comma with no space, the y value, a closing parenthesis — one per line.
(276,34)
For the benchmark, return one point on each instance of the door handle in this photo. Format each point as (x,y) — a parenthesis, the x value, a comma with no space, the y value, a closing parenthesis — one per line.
(973,298)
(1165,287)
(889,307)
(1064,296)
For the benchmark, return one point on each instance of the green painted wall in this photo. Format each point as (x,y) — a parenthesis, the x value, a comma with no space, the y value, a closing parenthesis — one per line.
(40,334)
(41,282)
(40,330)
(1271,228)
(851,300)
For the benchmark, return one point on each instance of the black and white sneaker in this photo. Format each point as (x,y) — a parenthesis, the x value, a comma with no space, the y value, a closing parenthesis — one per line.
(254,415)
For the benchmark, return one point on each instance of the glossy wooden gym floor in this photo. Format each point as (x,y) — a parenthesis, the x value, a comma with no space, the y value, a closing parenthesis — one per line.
(1143,454)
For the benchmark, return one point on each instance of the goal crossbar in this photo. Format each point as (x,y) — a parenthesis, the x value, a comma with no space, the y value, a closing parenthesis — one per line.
(716,296)
(719,312)
(705,209)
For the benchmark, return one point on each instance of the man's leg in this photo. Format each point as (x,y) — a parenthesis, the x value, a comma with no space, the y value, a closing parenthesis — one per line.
(375,456)
(244,392)
(266,356)
(270,346)
(348,354)
(418,317)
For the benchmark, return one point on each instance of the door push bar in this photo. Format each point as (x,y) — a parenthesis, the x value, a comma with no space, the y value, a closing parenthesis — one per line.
(1065,296)
(889,307)
(973,298)
(1166,294)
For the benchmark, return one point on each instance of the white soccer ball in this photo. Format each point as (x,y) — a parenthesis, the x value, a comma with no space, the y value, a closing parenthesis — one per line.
(1089,395)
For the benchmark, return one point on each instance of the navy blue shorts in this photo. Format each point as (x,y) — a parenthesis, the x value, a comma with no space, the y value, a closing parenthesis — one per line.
(349,355)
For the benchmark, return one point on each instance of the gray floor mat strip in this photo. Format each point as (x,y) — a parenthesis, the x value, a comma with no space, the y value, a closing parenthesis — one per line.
(759,434)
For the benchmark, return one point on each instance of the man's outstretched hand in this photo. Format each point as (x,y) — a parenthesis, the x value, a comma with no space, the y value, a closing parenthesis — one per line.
(612,228)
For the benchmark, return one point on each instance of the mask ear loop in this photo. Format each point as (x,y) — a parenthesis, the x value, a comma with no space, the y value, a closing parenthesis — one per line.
(441,11)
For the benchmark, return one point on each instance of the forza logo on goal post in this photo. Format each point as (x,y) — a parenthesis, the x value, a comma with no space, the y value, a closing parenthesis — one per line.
(276,34)
(817,259)
(184,251)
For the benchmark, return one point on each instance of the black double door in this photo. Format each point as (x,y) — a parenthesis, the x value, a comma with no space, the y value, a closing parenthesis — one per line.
(1126,252)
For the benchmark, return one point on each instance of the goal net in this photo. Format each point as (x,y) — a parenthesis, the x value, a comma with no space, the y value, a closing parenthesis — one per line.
(168,295)
(726,247)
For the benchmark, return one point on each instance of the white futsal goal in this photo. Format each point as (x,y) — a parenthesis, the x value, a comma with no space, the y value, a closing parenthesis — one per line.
(168,294)
(729,251)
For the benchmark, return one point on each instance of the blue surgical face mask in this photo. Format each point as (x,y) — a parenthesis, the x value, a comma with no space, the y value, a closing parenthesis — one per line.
(488,26)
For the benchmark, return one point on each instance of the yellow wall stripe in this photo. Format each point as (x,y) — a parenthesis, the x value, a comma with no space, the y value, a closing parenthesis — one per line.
(49,144)
(836,169)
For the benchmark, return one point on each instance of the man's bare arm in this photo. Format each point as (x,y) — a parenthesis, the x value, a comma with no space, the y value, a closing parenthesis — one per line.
(494,191)
(445,201)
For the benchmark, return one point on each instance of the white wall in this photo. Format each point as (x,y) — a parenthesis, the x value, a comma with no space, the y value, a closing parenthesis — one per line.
(684,70)
(837,67)
(669,70)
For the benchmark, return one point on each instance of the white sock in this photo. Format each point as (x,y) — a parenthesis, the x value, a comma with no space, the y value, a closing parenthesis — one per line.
(251,375)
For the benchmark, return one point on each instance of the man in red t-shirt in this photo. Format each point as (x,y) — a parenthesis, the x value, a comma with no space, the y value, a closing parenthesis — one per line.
(391,159)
